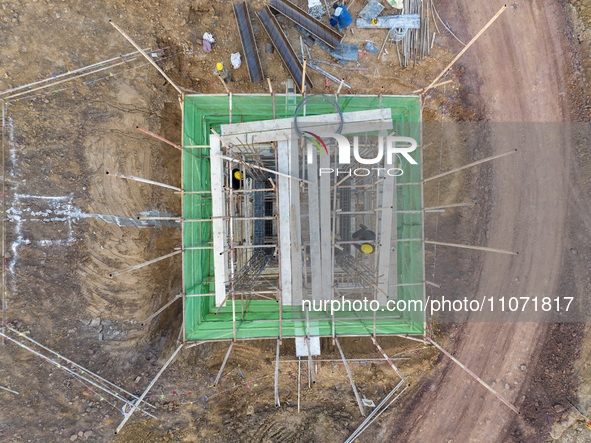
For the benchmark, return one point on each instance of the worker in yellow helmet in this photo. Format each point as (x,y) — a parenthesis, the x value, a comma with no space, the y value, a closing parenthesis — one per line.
(364,234)
(237,177)
(221,71)
(367,248)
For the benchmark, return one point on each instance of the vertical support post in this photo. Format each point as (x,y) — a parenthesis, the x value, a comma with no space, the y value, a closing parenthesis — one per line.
(183,213)
(277,402)
(310,363)
(218,226)
(304,77)
(359,402)
(230,106)
(217,379)
(388,220)
(232,251)
(314,223)
(135,405)
(299,380)
(334,230)
(281,190)
(295,225)
(325,230)
(423,229)
(273,95)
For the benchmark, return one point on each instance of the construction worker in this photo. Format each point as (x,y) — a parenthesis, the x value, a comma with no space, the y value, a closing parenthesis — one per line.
(340,18)
(367,235)
(221,71)
(237,177)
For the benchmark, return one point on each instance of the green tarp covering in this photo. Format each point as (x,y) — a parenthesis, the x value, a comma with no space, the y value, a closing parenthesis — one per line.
(203,112)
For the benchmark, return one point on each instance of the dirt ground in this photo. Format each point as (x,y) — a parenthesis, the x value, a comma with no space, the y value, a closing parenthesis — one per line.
(532,66)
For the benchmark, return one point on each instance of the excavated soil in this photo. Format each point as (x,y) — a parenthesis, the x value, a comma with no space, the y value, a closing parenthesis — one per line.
(59,253)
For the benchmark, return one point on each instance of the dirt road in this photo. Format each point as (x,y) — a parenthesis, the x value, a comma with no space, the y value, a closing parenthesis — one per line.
(517,74)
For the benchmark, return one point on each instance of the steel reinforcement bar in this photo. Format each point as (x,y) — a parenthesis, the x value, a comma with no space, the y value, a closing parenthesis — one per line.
(283,47)
(325,33)
(249,45)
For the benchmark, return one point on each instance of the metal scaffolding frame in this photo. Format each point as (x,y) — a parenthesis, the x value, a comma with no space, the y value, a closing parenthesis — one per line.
(255,268)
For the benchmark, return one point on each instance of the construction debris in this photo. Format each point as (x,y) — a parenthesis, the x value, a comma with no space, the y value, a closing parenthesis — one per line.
(371,10)
(309,41)
(327,75)
(315,9)
(235,60)
(208,41)
(371,48)
(343,52)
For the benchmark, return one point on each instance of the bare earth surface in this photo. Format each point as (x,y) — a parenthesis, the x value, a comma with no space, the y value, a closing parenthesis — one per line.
(524,69)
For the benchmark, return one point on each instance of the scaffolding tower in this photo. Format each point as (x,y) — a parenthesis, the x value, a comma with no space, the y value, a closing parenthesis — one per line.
(277,236)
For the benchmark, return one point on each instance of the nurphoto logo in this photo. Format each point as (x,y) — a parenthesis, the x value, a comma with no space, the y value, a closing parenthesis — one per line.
(396,148)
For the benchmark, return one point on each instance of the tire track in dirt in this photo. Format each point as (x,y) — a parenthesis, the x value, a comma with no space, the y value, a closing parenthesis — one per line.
(518,69)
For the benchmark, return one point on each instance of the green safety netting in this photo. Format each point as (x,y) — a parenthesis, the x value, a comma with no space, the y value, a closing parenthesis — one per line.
(201,113)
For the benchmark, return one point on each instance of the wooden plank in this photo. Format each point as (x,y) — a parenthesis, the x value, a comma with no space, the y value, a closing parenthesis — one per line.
(318,128)
(318,120)
(325,229)
(283,186)
(314,228)
(295,225)
(385,254)
(387,259)
(281,129)
(218,226)
(409,21)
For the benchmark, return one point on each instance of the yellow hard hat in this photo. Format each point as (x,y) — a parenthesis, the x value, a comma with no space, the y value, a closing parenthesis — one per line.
(220,66)
(238,175)
(367,249)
